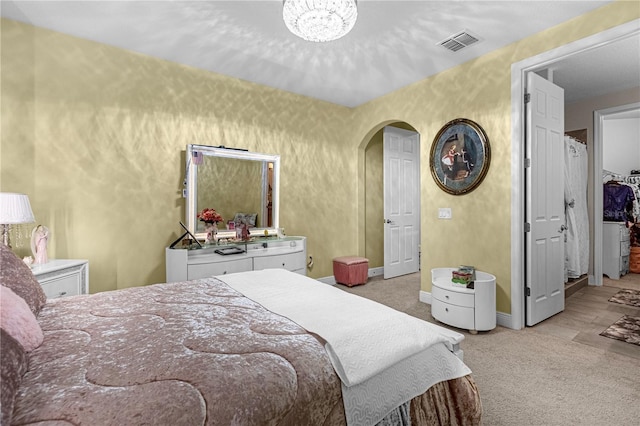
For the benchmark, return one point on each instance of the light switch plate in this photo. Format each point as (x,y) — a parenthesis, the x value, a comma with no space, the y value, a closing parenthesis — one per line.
(444,213)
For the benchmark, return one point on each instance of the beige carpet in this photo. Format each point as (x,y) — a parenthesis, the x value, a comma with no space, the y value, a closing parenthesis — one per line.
(529,378)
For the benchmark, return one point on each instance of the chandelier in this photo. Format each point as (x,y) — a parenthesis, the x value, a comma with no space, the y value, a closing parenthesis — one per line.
(320,20)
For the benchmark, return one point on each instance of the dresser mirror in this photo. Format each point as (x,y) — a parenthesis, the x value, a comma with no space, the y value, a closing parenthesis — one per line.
(233,182)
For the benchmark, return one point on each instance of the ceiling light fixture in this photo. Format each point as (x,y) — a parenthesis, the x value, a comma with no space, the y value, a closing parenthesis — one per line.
(320,20)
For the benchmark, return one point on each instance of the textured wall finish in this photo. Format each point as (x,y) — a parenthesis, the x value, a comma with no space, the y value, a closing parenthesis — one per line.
(96,137)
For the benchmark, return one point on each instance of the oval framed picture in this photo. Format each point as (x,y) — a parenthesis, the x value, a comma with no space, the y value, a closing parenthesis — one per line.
(460,156)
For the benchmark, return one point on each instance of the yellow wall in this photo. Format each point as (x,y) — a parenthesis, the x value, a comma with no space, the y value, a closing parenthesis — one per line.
(95,136)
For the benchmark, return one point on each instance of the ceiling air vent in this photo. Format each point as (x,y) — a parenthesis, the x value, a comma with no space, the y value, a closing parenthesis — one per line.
(459,41)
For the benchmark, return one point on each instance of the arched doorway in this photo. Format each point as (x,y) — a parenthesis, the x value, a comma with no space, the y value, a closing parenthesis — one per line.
(371,195)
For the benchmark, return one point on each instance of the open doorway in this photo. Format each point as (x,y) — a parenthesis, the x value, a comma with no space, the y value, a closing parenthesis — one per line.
(616,131)
(548,60)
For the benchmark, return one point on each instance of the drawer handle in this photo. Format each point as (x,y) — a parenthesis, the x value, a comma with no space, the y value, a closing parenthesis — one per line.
(446,296)
(446,309)
(62,293)
(283,264)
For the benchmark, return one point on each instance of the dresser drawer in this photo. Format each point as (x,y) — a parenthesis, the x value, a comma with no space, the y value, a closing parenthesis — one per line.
(205,270)
(625,235)
(453,297)
(624,265)
(625,248)
(457,316)
(291,262)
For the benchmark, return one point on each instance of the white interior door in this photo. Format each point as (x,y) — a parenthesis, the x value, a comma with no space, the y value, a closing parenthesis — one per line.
(401,201)
(544,290)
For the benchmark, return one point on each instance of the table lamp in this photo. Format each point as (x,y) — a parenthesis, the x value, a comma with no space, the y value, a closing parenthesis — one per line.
(14,209)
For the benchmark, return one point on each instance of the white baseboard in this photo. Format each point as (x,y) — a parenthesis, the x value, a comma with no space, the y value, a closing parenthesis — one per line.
(374,272)
(327,280)
(504,320)
(425,297)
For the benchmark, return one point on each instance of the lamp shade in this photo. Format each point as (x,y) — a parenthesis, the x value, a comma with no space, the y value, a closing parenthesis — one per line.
(320,20)
(15,208)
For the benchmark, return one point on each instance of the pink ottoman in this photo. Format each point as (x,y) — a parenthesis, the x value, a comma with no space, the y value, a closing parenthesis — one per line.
(351,270)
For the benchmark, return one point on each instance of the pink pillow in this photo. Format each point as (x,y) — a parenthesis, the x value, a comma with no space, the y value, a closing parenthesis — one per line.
(17,319)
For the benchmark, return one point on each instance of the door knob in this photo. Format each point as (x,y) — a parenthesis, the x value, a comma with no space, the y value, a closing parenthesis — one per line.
(562,229)
(387,221)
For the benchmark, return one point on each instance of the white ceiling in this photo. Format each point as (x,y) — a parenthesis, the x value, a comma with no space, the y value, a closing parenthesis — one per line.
(393,44)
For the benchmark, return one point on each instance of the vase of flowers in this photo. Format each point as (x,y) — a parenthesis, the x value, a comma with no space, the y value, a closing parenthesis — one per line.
(210,217)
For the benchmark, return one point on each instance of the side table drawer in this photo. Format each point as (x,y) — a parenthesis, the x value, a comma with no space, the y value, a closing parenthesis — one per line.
(60,286)
(453,297)
(457,316)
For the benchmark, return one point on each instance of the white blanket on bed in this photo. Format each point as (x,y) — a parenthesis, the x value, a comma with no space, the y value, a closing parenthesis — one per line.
(364,338)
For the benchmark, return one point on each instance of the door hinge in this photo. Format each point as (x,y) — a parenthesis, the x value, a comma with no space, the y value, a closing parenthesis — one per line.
(527,163)
(528,291)
(527,227)
(527,98)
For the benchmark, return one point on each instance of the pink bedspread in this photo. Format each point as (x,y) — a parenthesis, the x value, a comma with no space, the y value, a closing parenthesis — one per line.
(180,354)
(193,353)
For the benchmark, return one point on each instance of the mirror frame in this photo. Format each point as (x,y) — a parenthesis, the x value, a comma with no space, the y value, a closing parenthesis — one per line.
(191,180)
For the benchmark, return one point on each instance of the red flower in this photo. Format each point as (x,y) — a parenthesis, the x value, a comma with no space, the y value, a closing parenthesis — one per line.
(209,216)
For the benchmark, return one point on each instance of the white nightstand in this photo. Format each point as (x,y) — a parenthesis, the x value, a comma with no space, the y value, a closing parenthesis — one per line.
(458,306)
(63,277)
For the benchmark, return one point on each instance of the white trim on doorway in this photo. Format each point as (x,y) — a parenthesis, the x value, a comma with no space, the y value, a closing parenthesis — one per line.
(519,72)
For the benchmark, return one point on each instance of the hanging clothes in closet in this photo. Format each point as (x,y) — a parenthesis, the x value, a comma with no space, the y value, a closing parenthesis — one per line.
(576,212)
(633,182)
(618,202)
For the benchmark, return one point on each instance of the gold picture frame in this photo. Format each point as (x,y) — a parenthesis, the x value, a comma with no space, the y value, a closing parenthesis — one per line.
(460,156)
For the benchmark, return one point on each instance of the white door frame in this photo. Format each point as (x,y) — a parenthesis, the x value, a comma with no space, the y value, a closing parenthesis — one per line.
(599,116)
(519,72)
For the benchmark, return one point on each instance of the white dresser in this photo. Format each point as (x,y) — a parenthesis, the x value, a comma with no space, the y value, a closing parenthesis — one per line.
(615,249)
(263,253)
(63,277)
(458,306)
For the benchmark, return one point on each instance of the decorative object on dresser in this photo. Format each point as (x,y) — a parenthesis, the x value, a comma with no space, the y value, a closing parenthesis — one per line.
(460,156)
(211,218)
(15,209)
(39,239)
(63,277)
(616,249)
(461,306)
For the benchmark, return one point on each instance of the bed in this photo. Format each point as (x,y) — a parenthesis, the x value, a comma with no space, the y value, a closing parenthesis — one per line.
(204,352)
